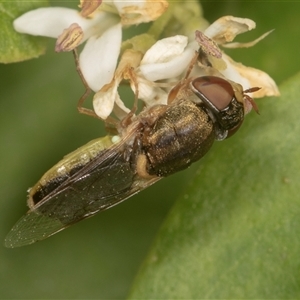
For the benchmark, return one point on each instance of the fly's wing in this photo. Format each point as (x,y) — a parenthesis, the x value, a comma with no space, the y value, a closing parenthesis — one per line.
(100,184)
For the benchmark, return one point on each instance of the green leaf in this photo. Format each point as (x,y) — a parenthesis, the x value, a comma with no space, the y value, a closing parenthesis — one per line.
(14,46)
(98,258)
(235,231)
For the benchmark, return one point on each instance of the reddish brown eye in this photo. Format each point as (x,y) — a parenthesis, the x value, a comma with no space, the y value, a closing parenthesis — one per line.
(216,90)
(218,98)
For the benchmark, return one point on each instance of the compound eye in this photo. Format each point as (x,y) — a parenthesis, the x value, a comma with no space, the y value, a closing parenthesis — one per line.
(216,90)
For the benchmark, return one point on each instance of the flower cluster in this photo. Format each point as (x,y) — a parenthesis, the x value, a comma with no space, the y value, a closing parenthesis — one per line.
(151,64)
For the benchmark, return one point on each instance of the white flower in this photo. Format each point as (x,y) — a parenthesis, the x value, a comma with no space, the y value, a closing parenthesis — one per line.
(102,31)
(178,54)
(165,60)
(151,73)
(223,31)
(169,58)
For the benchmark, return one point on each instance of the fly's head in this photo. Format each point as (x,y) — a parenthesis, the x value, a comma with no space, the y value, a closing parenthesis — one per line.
(225,102)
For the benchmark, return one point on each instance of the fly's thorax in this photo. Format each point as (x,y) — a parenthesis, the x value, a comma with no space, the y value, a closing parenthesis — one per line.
(179,137)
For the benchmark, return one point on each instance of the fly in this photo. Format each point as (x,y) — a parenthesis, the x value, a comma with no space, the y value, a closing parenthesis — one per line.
(160,141)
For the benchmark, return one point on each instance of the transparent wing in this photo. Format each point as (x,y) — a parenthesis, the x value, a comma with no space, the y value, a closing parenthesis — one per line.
(102,183)
(30,228)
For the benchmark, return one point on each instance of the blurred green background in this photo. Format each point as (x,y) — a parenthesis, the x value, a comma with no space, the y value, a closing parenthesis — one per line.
(99,258)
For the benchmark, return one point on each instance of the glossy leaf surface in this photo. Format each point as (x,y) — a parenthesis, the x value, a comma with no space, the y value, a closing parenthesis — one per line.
(99,257)
(238,236)
(14,46)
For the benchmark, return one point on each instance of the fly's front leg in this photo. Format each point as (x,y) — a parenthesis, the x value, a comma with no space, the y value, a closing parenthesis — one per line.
(110,122)
(183,82)
(135,87)
(87,92)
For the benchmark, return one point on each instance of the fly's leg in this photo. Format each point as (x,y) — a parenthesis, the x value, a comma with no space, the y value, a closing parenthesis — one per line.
(183,82)
(87,91)
(128,119)
(191,65)
(110,122)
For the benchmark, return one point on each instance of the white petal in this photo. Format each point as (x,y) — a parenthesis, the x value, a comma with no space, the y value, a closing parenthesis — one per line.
(249,44)
(169,69)
(233,74)
(103,102)
(122,5)
(227,28)
(99,57)
(165,49)
(120,110)
(136,12)
(51,21)
(250,77)
(152,95)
